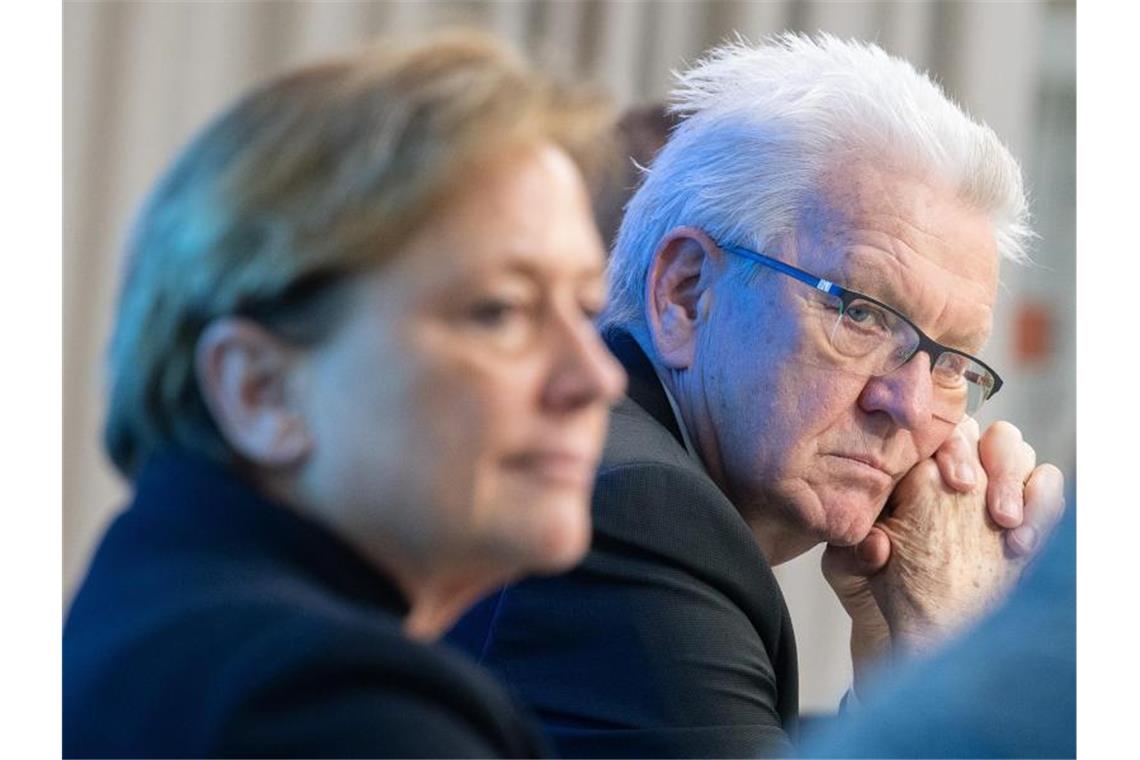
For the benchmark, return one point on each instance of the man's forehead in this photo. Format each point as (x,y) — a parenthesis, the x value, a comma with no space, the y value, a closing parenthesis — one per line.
(945,285)
(879,277)
(897,231)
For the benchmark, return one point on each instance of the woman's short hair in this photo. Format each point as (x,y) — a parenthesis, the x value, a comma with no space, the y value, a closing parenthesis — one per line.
(320,173)
(762,125)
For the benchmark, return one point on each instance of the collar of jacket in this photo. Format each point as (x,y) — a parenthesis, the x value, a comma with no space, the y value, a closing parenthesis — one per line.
(209,505)
(644,387)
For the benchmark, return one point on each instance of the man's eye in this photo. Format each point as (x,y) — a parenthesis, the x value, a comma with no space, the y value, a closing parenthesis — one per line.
(866,317)
(952,364)
(952,370)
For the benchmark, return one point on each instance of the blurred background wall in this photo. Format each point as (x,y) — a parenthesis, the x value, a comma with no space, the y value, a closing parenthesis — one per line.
(141,77)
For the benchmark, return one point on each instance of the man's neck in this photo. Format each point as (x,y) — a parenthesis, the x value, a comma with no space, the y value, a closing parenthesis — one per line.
(686,439)
(777,541)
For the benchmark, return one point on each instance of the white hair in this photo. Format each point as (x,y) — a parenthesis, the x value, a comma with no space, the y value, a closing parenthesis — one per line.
(762,126)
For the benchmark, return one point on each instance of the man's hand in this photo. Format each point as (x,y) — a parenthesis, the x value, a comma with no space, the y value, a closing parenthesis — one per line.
(1025,499)
(948,561)
(1020,497)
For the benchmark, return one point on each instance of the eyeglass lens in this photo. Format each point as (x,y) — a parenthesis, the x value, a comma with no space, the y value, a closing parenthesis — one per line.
(882,342)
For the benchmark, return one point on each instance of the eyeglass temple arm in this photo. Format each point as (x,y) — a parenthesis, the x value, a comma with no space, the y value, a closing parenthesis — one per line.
(827,286)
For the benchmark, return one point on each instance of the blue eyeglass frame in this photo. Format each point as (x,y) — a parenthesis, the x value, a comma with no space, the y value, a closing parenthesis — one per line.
(933,348)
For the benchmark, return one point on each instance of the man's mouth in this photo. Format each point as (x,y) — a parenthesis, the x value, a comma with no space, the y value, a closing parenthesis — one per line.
(868,460)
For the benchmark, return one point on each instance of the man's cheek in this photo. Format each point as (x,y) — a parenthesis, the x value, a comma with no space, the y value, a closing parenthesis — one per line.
(928,446)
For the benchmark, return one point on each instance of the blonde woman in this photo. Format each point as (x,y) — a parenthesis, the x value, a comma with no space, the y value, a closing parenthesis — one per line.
(355,384)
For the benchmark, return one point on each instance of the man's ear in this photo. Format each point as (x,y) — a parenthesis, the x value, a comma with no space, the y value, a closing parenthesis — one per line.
(244,373)
(680,275)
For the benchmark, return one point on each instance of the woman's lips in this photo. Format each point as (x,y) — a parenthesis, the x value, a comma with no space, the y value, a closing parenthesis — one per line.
(566,468)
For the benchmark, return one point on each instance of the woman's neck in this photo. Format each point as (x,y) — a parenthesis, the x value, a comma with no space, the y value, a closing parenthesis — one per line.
(438,585)
(438,601)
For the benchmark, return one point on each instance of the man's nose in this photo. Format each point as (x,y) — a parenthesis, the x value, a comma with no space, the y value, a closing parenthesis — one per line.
(906,394)
(583,369)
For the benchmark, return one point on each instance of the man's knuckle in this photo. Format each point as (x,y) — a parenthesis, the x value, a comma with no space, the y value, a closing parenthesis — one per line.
(927,469)
(1030,455)
(1049,477)
(1046,491)
(1004,430)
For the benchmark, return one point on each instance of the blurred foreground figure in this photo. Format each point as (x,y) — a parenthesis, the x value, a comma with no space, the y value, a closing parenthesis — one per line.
(356,385)
(800,289)
(1008,689)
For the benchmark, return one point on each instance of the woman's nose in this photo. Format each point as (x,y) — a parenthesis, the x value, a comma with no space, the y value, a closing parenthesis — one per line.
(583,369)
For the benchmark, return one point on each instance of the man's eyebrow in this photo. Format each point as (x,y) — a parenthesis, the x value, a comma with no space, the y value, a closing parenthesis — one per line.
(971,341)
(870,280)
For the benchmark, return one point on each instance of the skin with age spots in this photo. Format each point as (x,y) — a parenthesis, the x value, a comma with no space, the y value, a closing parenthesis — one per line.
(948,560)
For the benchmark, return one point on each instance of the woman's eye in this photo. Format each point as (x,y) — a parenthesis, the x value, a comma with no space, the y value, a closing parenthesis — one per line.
(591,311)
(507,324)
(493,311)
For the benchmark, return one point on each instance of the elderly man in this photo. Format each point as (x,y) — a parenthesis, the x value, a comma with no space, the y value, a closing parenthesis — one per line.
(799,292)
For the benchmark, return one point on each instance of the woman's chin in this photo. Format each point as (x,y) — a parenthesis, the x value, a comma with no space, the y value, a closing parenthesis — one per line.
(557,534)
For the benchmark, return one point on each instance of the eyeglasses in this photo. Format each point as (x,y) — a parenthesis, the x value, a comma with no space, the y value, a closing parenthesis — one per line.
(879,340)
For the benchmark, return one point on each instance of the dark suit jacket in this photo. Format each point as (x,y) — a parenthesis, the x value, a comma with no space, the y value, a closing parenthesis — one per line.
(213,622)
(672,638)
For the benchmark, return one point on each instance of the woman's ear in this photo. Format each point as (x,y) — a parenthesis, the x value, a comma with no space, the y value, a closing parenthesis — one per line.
(244,373)
(678,292)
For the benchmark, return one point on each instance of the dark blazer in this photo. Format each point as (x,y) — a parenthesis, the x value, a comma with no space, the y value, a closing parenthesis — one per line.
(213,622)
(672,638)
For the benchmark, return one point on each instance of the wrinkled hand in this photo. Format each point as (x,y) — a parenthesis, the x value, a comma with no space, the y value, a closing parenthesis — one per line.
(1020,497)
(948,563)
